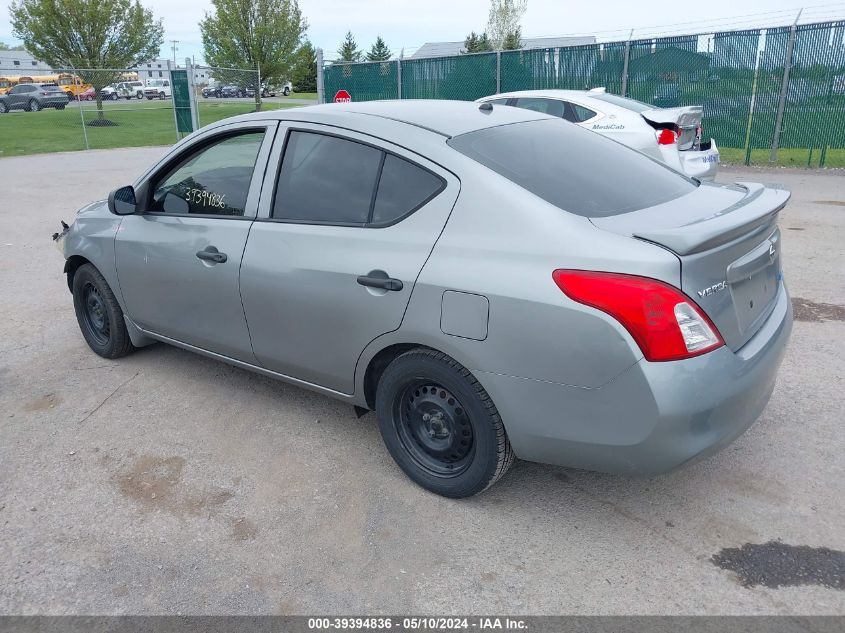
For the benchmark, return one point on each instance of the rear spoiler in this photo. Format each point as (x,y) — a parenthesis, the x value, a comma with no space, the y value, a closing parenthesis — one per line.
(755,211)
(688,116)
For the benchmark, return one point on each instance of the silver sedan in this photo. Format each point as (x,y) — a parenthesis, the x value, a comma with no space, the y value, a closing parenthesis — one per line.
(671,135)
(452,267)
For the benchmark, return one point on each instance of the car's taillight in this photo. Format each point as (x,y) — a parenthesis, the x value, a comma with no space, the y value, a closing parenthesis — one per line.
(665,323)
(666,137)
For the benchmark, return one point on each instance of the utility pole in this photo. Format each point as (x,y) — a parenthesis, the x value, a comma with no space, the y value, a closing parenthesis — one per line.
(173,44)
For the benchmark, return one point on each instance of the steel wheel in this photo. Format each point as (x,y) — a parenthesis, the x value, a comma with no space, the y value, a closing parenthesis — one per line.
(434,428)
(96,317)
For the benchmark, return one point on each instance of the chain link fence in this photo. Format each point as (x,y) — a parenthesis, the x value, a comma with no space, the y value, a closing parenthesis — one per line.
(75,109)
(769,95)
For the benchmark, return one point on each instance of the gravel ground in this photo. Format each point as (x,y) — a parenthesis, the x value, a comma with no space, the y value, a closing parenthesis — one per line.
(169,483)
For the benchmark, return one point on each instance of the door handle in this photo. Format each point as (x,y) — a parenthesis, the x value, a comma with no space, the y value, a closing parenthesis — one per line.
(384,283)
(211,254)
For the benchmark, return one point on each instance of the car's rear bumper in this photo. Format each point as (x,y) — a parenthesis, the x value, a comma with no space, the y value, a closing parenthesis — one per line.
(702,164)
(652,418)
(52,102)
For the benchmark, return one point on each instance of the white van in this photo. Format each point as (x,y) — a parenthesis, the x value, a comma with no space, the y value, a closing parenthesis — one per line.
(158,89)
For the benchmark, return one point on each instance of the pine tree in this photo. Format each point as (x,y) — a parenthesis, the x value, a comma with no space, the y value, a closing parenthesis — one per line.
(348,51)
(379,51)
(513,40)
(477,43)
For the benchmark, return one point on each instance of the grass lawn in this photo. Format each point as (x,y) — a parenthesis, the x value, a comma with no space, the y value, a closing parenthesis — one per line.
(787,157)
(138,124)
(302,95)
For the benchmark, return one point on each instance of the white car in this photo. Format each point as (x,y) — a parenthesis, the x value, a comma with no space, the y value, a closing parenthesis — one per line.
(671,135)
(157,89)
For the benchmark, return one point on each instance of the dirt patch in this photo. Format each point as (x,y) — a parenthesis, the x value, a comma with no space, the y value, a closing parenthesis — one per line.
(775,564)
(43,403)
(155,483)
(835,203)
(243,529)
(806,310)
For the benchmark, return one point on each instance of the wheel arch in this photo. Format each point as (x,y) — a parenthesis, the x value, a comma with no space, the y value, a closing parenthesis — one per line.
(72,264)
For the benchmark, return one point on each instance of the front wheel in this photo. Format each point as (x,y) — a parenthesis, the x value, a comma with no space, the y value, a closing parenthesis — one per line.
(99,314)
(3,108)
(286,91)
(440,425)
(34,106)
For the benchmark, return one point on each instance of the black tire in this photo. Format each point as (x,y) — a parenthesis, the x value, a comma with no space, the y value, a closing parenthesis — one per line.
(462,448)
(99,315)
(60,107)
(286,91)
(34,105)
(3,108)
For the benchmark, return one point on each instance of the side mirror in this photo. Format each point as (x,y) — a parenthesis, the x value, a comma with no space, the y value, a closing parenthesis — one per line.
(122,201)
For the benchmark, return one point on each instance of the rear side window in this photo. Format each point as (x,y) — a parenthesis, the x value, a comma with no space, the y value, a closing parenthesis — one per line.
(402,189)
(326,179)
(572,168)
(330,180)
(581,113)
(546,106)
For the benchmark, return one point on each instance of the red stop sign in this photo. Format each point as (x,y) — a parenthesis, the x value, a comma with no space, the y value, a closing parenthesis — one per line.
(342,97)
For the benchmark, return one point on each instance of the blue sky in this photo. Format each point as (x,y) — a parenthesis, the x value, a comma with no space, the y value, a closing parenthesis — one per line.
(410,23)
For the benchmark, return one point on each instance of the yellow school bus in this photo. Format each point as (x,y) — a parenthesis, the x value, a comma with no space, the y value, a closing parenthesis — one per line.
(71,84)
(7,83)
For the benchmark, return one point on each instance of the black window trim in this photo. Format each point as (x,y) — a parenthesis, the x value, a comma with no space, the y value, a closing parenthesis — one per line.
(176,162)
(369,224)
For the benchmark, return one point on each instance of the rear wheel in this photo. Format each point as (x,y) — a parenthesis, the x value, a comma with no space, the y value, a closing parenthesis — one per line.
(61,106)
(440,425)
(99,315)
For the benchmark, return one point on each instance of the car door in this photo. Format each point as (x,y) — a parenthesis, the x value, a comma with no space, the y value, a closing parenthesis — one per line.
(338,244)
(19,95)
(178,261)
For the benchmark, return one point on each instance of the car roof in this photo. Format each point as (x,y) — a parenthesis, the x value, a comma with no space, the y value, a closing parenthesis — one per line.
(446,118)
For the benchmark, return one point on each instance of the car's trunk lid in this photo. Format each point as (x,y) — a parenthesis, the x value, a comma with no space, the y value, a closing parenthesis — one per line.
(728,243)
(686,121)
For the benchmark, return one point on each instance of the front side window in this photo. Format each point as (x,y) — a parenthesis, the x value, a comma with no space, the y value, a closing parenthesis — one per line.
(212,181)
(329,180)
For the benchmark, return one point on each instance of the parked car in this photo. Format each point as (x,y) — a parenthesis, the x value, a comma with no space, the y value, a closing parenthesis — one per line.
(212,91)
(33,97)
(667,96)
(271,91)
(492,283)
(670,135)
(108,93)
(157,89)
(234,92)
(130,90)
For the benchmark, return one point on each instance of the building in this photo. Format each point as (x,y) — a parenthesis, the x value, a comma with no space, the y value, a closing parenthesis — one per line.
(446,49)
(21,62)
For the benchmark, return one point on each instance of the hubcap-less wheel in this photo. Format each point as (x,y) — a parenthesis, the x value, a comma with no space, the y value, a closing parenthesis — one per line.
(96,317)
(434,428)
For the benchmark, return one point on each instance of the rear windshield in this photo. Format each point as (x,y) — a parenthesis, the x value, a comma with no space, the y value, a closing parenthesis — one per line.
(623,102)
(574,169)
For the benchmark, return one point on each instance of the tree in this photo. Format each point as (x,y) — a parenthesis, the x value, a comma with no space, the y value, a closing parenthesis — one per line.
(513,40)
(477,43)
(88,34)
(348,51)
(379,51)
(304,73)
(505,17)
(255,34)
